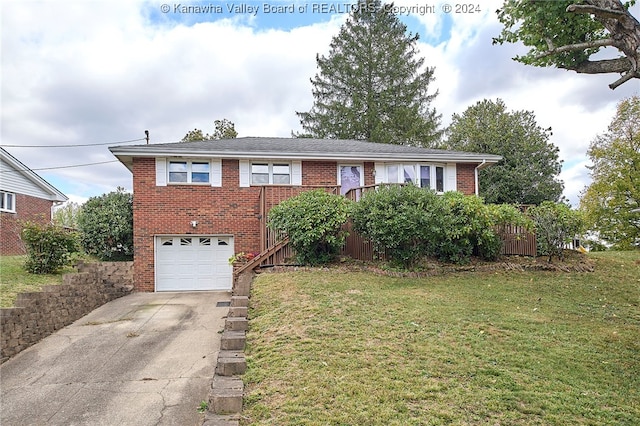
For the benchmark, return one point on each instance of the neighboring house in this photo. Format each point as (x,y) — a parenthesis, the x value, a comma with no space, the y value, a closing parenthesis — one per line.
(198,203)
(24,196)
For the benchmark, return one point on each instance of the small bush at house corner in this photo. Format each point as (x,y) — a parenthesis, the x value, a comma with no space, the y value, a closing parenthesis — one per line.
(49,247)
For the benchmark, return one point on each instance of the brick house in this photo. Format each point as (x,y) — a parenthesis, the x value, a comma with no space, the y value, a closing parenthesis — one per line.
(198,203)
(24,196)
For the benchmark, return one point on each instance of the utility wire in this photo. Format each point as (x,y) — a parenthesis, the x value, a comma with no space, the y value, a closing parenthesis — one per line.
(74,145)
(59,167)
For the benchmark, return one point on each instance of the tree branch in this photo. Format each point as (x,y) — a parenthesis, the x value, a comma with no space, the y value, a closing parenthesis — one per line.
(577,46)
(606,66)
(595,10)
(628,76)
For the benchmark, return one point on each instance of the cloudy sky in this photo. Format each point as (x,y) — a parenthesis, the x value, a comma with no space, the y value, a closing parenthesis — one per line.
(101,72)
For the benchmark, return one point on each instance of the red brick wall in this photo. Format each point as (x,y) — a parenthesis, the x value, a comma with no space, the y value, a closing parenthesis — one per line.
(27,208)
(465,176)
(169,210)
(159,210)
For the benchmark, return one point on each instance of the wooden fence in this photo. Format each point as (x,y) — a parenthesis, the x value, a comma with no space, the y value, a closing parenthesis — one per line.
(515,240)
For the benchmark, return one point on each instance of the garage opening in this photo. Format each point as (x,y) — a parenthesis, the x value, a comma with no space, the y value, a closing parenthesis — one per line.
(193,263)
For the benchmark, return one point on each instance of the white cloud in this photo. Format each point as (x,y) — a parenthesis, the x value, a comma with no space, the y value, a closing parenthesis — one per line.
(101,71)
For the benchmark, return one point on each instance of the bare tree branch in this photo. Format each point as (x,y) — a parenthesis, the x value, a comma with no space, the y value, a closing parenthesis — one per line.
(578,46)
(605,66)
(595,10)
(628,76)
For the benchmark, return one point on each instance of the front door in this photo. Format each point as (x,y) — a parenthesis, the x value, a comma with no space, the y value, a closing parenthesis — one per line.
(350,177)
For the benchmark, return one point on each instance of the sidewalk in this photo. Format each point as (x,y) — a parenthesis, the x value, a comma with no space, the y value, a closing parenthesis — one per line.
(143,359)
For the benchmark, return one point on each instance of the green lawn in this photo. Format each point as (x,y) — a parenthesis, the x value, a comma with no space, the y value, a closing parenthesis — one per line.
(507,348)
(14,279)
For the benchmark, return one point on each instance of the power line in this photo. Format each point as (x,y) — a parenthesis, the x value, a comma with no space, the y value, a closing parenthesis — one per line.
(60,167)
(73,145)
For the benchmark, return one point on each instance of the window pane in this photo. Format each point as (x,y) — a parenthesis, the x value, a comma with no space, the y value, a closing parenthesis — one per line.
(425,177)
(2,199)
(177,171)
(260,179)
(409,174)
(281,179)
(200,177)
(280,169)
(175,166)
(166,241)
(392,174)
(10,205)
(177,177)
(439,179)
(185,241)
(260,168)
(205,241)
(200,167)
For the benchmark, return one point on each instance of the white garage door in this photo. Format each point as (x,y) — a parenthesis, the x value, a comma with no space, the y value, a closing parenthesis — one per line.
(193,263)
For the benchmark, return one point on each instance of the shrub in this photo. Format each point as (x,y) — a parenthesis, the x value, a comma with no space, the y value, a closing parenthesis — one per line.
(396,220)
(49,247)
(106,224)
(407,223)
(313,222)
(555,224)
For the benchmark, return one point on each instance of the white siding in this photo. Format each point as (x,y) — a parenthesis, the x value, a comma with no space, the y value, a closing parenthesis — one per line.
(12,180)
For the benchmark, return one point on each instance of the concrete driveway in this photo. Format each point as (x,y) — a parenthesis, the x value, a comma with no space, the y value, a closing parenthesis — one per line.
(143,359)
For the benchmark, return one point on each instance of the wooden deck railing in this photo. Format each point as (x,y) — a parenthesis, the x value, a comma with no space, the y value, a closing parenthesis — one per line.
(274,255)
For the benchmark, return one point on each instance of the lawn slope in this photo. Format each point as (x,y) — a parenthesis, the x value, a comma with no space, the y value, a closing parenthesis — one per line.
(524,348)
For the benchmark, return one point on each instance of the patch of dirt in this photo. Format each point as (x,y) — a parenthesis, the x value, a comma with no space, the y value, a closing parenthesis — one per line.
(572,262)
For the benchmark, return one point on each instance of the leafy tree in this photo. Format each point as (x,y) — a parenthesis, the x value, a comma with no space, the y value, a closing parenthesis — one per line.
(612,202)
(556,224)
(528,172)
(48,247)
(372,86)
(224,129)
(313,222)
(67,215)
(567,34)
(106,224)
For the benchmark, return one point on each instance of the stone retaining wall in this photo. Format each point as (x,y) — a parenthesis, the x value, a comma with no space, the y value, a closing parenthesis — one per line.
(37,315)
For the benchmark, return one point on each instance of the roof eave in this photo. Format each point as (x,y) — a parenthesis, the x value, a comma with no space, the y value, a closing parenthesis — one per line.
(55,194)
(126,156)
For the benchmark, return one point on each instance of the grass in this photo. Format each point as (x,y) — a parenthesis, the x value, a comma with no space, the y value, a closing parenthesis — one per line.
(516,348)
(14,279)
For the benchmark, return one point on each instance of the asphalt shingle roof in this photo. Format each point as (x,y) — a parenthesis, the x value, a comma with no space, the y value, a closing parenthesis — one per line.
(302,148)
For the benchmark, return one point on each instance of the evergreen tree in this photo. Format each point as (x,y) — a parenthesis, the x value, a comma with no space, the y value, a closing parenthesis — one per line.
(372,86)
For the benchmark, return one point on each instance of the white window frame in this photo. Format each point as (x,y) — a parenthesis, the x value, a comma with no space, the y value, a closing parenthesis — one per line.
(8,202)
(417,169)
(189,171)
(270,165)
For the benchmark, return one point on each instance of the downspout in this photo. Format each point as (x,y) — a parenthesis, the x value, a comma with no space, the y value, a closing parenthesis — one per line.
(475,174)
